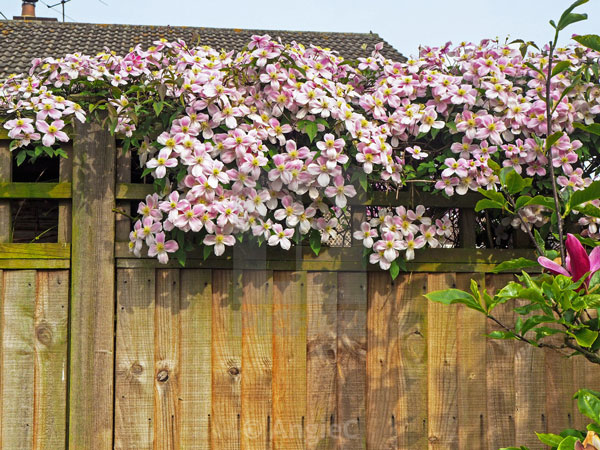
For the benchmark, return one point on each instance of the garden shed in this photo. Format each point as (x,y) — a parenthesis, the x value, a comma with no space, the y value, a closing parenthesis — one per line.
(255,349)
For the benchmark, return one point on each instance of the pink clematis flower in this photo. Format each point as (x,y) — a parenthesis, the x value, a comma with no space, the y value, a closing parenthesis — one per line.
(52,132)
(578,261)
(160,248)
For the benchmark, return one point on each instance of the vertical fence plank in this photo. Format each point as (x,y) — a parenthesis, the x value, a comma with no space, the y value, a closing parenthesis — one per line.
(352,354)
(166,360)
(500,374)
(92,289)
(289,359)
(195,358)
(226,361)
(321,360)
(134,377)
(442,355)
(257,361)
(50,321)
(471,328)
(530,393)
(5,176)
(18,359)
(65,218)
(412,381)
(382,361)
(560,388)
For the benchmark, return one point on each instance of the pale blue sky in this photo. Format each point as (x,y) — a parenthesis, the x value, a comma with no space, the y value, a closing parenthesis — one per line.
(404,24)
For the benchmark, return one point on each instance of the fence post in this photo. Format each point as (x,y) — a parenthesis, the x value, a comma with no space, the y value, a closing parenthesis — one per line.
(92,289)
(467,224)
(5,176)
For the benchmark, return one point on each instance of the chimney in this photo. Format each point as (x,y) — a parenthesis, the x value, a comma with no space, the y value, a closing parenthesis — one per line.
(28,8)
(28,12)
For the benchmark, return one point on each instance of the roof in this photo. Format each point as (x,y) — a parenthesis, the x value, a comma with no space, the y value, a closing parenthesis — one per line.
(21,41)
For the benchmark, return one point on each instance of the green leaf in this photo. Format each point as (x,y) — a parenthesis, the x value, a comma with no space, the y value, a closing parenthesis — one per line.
(514,264)
(498,334)
(487,204)
(158,107)
(310,128)
(492,195)
(394,269)
(21,157)
(554,137)
(567,443)
(593,128)
(592,300)
(571,18)
(522,201)
(592,192)
(589,405)
(547,202)
(586,337)
(453,296)
(207,250)
(551,440)
(589,210)
(514,182)
(589,40)
(558,68)
(362,179)
(315,242)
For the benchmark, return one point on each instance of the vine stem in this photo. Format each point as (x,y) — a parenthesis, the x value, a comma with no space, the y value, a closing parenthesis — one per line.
(550,162)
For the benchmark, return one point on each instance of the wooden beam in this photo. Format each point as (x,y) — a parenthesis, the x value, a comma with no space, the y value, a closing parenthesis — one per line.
(92,289)
(35,190)
(35,251)
(134,191)
(38,264)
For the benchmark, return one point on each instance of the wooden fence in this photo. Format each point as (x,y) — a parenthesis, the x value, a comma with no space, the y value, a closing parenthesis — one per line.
(260,349)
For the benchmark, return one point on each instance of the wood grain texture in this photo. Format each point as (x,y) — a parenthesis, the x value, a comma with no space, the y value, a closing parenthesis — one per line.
(383,362)
(92,289)
(35,251)
(321,369)
(560,387)
(530,393)
(65,218)
(166,361)
(17,371)
(352,358)
(50,337)
(195,359)
(442,368)
(5,177)
(289,360)
(471,328)
(226,361)
(412,419)
(134,365)
(500,374)
(257,359)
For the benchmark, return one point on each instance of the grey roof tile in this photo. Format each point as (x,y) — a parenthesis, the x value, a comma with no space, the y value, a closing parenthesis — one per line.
(21,41)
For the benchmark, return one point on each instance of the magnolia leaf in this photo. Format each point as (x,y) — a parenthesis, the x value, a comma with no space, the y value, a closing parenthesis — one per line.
(522,201)
(452,296)
(589,210)
(592,192)
(487,204)
(558,68)
(593,128)
(589,40)
(515,264)
(586,337)
(589,404)
(571,18)
(547,202)
(567,443)
(554,137)
(498,334)
(551,440)
(492,195)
